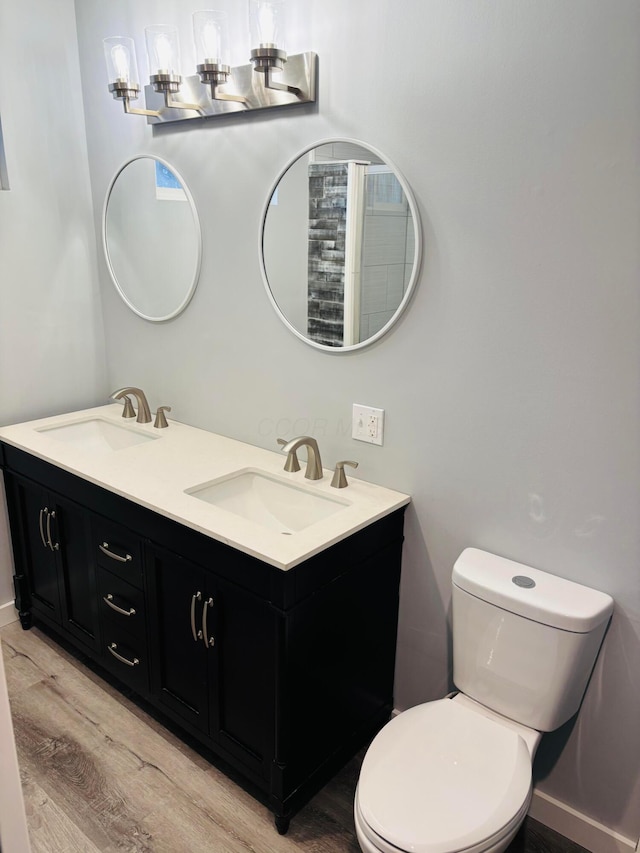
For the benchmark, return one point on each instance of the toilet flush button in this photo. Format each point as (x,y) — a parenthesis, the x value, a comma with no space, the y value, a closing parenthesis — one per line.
(524,581)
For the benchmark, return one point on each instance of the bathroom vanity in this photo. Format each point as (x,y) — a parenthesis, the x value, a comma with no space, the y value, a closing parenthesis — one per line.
(274,648)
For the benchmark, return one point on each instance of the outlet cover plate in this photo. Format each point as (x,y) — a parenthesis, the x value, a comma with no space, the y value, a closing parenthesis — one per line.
(367,424)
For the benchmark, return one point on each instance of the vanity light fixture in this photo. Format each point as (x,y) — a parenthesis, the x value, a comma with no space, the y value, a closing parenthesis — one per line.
(268,25)
(211,39)
(163,50)
(122,71)
(170,97)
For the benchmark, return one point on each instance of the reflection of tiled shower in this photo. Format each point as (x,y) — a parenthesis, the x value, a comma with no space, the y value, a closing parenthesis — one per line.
(327,237)
(359,257)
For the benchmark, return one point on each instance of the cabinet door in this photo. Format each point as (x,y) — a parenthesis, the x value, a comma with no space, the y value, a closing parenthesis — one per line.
(29,511)
(52,549)
(70,534)
(180,651)
(243,679)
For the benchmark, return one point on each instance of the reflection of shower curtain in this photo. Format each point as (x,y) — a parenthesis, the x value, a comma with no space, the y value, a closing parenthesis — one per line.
(387,250)
(373,191)
(353,252)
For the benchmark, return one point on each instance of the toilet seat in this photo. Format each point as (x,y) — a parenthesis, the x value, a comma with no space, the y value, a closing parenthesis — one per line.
(372,843)
(443,778)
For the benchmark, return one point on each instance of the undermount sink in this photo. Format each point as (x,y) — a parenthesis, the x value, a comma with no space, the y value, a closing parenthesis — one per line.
(97,435)
(268,501)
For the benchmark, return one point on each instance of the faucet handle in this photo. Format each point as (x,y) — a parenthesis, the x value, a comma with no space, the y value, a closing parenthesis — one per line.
(129,411)
(161,421)
(339,480)
(292,463)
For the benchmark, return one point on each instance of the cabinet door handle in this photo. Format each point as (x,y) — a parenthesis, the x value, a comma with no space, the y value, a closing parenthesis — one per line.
(196,634)
(51,515)
(112,648)
(108,599)
(44,541)
(105,550)
(206,639)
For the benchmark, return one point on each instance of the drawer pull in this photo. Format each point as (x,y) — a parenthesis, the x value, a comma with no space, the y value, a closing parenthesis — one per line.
(105,550)
(197,635)
(44,541)
(108,599)
(53,547)
(112,648)
(206,639)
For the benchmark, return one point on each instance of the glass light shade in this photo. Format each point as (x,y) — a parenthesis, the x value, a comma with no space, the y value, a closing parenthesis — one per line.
(211,37)
(120,56)
(267,23)
(163,50)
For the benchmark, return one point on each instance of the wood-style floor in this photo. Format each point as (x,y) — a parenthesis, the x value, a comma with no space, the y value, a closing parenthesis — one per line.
(100,774)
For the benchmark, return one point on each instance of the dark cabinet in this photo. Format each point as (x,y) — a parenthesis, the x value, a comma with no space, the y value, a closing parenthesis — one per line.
(183,635)
(247,630)
(118,556)
(284,675)
(213,657)
(52,549)
(34,553)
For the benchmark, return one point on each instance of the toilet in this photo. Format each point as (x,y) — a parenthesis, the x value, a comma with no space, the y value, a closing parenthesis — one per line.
(454,775)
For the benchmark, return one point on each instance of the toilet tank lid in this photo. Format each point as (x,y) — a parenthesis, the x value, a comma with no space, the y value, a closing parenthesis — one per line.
(530,592)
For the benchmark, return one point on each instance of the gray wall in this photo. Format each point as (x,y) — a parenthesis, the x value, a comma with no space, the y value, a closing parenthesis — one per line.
(511,383)
(287,223)
(51,335)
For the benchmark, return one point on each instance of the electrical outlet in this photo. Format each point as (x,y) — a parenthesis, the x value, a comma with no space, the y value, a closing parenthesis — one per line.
(367,424)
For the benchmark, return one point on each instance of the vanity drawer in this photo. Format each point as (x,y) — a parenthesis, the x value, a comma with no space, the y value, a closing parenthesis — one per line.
(126,657)
(118,551)
(121,604)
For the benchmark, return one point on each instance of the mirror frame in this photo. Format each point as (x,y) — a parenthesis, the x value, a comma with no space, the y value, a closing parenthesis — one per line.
(192,288)
(417,255)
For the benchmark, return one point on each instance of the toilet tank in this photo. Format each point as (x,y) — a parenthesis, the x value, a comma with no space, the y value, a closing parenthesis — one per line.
(524,641)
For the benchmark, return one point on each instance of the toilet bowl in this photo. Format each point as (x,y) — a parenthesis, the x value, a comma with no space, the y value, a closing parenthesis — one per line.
(445,776)
(454,775)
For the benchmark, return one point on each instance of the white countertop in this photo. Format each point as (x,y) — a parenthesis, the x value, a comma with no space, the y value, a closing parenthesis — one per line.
(155,474)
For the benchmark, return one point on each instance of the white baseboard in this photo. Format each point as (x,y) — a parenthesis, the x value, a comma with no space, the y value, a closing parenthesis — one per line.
(8,614)
(578,827)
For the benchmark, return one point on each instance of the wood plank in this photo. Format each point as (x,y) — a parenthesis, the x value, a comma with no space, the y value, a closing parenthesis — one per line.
(50,829)
(27,662)
(83,771)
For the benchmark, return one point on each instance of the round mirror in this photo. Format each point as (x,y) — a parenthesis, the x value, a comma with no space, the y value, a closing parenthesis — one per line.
(151,237)
(340,245)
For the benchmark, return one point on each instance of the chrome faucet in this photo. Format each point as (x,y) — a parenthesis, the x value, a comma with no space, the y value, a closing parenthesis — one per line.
(144,413)
(314,465)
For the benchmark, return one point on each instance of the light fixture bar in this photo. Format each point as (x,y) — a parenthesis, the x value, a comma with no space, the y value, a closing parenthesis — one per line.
(213,75)
(277,86)
(136,111)
(246,91)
